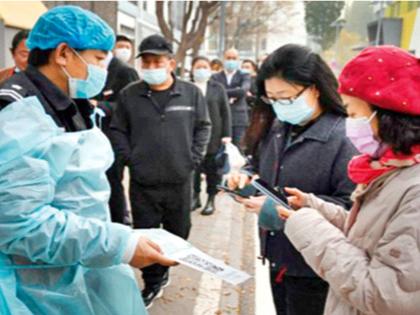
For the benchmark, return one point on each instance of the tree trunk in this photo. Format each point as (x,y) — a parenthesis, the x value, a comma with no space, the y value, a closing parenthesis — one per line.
(196,48)
(192,38)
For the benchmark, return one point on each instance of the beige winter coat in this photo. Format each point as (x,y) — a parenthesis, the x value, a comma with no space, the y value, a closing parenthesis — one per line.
(371,257)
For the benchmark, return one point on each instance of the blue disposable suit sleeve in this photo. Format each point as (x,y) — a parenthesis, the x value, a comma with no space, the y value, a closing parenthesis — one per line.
(30,226)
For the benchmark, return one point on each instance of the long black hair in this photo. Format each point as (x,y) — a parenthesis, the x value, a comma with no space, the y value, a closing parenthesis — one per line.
(298,65)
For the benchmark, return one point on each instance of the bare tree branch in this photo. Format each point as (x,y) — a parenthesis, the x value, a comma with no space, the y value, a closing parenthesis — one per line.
(195,20)
(163,25)
(195,17)
(170,20)
(187,16)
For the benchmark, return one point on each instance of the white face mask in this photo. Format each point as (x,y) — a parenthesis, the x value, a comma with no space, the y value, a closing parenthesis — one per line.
(124,54)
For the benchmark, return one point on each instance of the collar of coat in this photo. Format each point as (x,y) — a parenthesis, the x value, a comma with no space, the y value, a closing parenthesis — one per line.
(321,130)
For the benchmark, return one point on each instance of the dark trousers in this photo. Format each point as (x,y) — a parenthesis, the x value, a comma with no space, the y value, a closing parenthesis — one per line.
(298,295)
(168,205)
(237,134)
(213,179)
(117,201)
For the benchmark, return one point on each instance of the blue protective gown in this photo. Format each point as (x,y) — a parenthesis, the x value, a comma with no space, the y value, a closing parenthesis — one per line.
(59,252)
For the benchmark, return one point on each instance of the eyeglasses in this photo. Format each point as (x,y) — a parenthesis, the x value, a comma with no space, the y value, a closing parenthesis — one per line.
(283,101)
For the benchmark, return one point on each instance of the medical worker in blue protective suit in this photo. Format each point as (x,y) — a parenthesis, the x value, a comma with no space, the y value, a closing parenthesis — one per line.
(59,251)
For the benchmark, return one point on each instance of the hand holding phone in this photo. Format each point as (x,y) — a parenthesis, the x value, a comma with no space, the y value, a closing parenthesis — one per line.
(232,193)
(277,196)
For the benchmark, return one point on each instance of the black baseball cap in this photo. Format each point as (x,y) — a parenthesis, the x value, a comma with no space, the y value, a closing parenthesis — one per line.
(155,45)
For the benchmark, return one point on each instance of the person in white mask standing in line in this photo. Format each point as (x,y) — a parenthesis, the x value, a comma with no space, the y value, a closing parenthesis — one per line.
(161,129)
(123,48)
(120,74)
(219,111)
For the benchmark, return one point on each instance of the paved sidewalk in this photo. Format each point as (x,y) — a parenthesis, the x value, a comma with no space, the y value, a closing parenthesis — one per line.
(230,234)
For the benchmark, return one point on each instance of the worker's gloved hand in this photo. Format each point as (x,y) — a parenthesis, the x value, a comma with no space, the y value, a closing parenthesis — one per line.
(148,253)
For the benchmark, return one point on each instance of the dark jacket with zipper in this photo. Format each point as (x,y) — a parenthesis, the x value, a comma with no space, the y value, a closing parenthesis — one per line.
(161,143)
(316,162)
(218,106)
(70,114)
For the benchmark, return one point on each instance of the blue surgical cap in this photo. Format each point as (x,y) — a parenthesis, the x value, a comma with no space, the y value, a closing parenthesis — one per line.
(79,28)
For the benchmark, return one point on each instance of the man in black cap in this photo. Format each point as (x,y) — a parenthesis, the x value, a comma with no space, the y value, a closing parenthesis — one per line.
(161,128)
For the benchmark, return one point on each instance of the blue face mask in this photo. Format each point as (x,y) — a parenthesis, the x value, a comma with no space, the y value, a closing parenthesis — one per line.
(231,65)
(155,76)
(201,75)
(296,113)
(246,71)
(92,86)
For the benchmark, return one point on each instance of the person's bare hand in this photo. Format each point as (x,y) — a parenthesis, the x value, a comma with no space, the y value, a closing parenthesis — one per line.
(148,253)
(284,213)
(296,199)
(237,180)
(226,140)
(94,102)
(253,204)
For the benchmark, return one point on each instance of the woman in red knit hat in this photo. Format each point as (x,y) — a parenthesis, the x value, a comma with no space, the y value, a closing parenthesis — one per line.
(370,256)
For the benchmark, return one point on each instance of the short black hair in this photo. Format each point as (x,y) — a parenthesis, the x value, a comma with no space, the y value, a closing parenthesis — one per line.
(39,57)
(216,62)
(19,36)
(123,38)
(252,62)
(400,131)
(194,61)
(199,58)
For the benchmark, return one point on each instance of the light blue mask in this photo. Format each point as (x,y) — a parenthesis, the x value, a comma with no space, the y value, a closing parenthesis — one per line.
(155,76)
(245,71)
(92,86)
(201,75)
(296,113)
(231,65)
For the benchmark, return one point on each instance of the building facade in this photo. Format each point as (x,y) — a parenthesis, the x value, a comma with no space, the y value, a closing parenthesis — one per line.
(408,15)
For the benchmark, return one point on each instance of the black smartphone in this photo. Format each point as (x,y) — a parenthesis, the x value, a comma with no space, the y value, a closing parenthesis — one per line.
(249,173)
(278,196)
(233,193)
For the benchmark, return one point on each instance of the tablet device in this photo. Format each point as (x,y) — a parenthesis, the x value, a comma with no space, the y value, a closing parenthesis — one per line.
(277,196)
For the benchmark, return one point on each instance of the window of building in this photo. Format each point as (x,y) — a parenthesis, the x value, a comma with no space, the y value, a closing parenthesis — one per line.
(412,5)
(397,8)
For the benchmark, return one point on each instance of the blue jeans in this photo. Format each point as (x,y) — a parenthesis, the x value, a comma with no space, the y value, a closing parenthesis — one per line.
(298,295)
